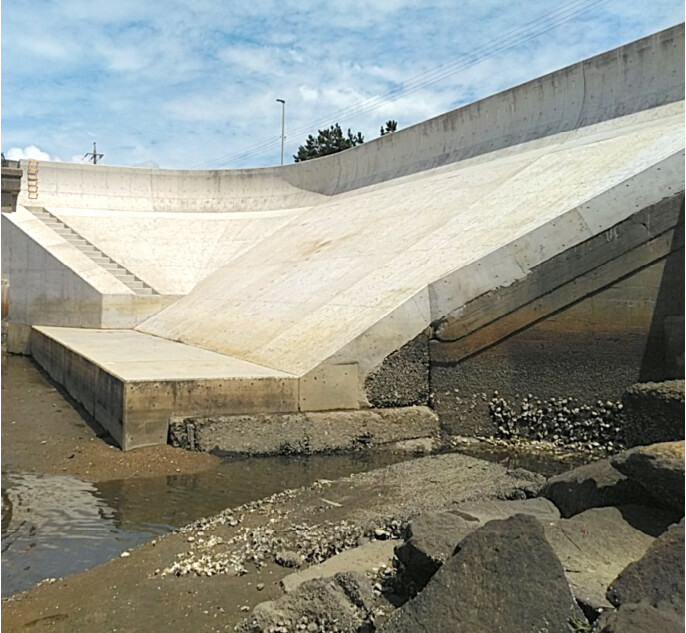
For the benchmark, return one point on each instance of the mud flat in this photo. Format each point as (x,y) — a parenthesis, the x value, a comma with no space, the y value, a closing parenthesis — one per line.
(141,591)
(45,432)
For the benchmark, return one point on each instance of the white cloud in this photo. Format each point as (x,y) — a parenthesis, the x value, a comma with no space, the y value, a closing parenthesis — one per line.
(179,84)
(17,153)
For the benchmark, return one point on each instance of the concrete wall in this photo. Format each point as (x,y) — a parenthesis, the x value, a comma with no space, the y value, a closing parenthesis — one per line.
(485,225)
(626,80)
(50,282)
(589,340)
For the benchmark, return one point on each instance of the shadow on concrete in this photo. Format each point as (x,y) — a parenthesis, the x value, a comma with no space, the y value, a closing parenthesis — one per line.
(663,357)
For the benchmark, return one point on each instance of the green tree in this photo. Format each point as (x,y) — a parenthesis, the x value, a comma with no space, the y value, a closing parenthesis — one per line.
(327,142)
(391,126)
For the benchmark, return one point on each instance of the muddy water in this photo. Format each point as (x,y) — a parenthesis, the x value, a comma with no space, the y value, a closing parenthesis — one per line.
(53,526)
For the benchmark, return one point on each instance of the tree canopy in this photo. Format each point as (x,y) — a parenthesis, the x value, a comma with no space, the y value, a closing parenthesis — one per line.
(327,142)
(391,126)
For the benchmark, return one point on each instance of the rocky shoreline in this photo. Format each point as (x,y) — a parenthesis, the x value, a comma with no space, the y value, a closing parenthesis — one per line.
(420,545)
(614,536)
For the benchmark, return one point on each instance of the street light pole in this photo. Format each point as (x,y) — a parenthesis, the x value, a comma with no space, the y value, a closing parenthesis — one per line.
(283,124)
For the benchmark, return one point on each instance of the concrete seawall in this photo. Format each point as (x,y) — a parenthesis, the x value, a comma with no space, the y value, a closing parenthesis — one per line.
(536,229)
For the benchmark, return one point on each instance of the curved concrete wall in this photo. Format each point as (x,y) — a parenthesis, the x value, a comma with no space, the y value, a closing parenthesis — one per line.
(515,197)
(630,79)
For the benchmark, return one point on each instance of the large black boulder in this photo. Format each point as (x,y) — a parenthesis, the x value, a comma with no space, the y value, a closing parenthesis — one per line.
(503,577)
(656,578)
(593,485)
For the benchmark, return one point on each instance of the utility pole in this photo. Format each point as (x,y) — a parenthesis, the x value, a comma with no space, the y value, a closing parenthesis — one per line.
(283,124)
(93,156)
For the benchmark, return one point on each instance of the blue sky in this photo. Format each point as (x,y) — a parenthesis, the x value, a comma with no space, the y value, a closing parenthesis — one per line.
(180,84)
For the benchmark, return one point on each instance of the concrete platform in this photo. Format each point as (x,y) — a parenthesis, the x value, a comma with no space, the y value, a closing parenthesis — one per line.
(132,383)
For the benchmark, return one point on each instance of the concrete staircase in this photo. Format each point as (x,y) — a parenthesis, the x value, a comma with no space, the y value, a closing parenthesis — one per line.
(130,280)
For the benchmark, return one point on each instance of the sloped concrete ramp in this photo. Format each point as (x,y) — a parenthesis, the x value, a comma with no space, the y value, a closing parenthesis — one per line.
(335,266)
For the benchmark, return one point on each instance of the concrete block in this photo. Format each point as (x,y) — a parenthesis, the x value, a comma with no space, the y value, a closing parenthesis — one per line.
(329,387)
(18,338)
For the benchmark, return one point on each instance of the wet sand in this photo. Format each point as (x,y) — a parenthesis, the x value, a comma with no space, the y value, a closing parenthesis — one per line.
(46,432)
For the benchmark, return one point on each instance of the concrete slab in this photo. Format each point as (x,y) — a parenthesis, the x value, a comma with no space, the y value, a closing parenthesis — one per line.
(133,383)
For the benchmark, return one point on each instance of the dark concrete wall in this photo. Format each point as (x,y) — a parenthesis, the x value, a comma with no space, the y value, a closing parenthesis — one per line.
(614,317)
(592,351)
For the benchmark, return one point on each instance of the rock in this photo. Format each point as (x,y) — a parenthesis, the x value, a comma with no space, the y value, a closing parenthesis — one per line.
(485,511)
(433,536)
(595,545)
(287,558)
(654,412)
(360,559)
(656,578)
(431,540)
(640,617)
(494,583)
(593,485)
(659,468)
(344,601)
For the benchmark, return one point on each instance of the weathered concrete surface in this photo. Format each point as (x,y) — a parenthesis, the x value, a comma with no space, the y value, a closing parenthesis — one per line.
(602,331)
(402,379)
(659,469)
(493,583)
(593,485)
(654,412)
(349,258)
(304,433)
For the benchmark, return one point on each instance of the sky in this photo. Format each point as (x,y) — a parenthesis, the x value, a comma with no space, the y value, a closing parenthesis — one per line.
(179,84)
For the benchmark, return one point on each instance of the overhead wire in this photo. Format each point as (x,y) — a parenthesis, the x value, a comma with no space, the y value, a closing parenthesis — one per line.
(530,30)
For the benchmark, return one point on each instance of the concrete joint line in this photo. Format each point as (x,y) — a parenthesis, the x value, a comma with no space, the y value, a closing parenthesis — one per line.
(451,352)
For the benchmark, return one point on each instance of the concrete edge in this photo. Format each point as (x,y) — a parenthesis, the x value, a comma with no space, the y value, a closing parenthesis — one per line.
(406,429)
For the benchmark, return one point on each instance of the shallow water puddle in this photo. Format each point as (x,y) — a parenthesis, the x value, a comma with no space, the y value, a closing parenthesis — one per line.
(53,526)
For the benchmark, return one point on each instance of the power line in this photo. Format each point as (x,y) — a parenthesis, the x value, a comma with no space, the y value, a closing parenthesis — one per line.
(530,30)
